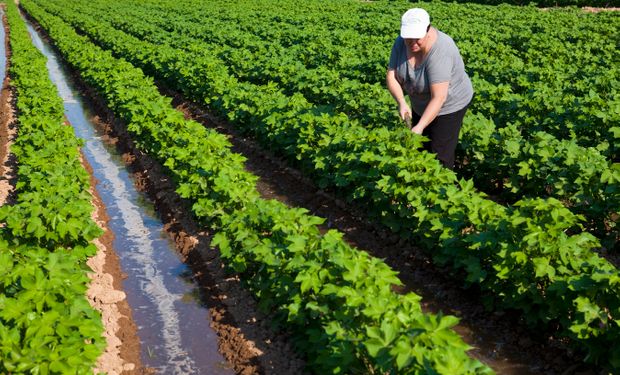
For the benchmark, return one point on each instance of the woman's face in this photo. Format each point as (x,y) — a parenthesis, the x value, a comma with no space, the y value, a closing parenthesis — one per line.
(416,45)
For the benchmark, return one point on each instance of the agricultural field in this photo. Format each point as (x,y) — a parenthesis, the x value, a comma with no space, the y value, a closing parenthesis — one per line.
(521,240)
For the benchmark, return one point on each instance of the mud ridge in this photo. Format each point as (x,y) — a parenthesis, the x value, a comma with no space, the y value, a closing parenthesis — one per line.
(245,337)
(8,127)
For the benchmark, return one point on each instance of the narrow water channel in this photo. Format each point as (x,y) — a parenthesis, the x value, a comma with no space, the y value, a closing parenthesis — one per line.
(173,326)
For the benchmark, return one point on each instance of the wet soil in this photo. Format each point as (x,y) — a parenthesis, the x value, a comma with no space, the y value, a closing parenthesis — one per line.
(8,128)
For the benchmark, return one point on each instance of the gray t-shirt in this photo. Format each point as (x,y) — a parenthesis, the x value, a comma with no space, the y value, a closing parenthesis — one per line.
(442,64)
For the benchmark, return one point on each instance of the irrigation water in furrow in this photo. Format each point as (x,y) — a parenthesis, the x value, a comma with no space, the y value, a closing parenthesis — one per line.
(172,325)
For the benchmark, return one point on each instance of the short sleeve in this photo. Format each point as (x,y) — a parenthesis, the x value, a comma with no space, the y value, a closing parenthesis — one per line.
(394,55)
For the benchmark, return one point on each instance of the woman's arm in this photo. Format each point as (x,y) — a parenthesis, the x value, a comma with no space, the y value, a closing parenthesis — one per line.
(397,93)
(439,94)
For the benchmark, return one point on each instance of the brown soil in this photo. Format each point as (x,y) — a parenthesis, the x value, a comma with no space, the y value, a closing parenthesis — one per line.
(8,128)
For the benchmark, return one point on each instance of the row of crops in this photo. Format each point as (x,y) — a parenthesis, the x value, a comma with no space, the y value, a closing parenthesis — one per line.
(305,79)
(46,322)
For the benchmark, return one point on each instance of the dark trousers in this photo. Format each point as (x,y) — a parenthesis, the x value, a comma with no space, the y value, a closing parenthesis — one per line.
(443,133)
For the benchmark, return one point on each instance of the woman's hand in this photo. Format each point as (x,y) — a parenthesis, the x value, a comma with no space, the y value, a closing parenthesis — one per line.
(418,129)
(404,110)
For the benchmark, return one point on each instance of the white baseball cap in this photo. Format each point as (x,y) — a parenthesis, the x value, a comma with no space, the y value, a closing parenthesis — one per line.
(414,23)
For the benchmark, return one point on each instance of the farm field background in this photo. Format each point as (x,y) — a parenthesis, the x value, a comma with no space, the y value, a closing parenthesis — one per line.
(529,216)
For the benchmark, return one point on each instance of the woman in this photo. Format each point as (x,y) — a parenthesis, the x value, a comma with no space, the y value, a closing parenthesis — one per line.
(427,65)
